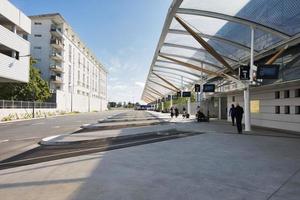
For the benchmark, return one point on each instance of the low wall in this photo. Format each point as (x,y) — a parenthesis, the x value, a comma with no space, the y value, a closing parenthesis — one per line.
(26,113)
(74,102)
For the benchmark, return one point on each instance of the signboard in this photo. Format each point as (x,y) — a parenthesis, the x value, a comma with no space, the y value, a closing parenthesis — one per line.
(197,88)
(179,94)
(209,88)
(267,71)
(244,72)
(254,106)
(186,94)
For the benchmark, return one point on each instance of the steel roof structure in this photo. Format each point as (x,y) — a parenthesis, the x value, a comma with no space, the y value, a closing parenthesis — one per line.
(205,39)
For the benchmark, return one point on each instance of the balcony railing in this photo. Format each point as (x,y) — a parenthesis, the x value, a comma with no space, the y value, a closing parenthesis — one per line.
(57,44)
(57,56)
(56,32)
(56,68)
(56,79)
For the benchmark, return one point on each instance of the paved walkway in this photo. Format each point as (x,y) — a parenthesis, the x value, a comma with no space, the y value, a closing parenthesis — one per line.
(219,164)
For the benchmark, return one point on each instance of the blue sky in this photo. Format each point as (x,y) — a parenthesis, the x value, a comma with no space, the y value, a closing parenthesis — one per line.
(122,33)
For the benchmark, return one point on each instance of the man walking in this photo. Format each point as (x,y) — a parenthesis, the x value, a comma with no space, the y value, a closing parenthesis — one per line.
(232,113)
(239,111)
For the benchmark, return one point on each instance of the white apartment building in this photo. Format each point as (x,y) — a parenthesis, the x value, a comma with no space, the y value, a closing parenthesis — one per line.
(76,78)
(14,47)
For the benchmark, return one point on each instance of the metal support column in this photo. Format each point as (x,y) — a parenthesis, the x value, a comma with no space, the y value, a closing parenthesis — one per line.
(189,105)
(162,106)
(247,86)
(171,101)
(220,109)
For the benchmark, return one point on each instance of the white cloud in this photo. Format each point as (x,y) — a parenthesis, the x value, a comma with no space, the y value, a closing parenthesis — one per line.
(140,84)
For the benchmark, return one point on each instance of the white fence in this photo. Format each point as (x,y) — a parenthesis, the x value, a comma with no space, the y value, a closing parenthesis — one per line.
(9,104)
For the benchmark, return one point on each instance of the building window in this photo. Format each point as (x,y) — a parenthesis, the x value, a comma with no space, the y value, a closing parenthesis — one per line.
(297,110)
(286,109)
(277,95)
(78,79)
(277,109)
(297,93)
(37,47)
(37,23)
(286,94)
(37,35)
(70,53)
(233,98)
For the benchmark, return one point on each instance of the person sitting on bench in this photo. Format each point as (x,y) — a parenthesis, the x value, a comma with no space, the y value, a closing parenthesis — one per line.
(201,117)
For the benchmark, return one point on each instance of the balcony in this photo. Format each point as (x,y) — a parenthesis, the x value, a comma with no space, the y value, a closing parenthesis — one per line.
(57,68)
(57,57)
(56,79)
(56,32)
(57,44)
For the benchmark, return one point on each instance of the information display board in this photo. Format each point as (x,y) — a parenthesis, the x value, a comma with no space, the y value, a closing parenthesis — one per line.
(244,72)
(186,94)
(209,88)
(267,72)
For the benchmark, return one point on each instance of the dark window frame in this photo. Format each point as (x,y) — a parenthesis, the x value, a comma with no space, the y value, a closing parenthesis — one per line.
(287,110)
(277,94)
(277,109)
(286,94)
(297,110)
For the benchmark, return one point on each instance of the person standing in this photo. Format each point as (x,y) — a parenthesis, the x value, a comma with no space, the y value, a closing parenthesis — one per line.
(176,112)
(239,111)
(183,112)
(232,113)
(172,111)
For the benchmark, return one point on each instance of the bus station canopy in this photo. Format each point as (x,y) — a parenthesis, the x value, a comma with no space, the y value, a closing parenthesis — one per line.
(205,39)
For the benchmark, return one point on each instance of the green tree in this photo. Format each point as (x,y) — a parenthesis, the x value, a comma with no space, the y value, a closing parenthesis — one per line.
(36,88)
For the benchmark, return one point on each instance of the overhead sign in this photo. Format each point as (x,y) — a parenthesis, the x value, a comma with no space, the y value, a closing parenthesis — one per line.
(267,71)
(186,94)
(209,88)
(244,72)
(197,88)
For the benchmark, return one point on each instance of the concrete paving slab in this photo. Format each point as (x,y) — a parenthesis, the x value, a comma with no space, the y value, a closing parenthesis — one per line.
(209,166)
(118,125)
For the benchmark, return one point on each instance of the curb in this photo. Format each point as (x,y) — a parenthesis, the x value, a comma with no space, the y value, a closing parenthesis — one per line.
(22,150)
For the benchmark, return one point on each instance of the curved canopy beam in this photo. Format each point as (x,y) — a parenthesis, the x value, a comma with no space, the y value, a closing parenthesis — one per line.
(166,81)
(164,86)
(213,37)
(196,49)
(203,43)
(175,74)
(191,66)
(180,70)
(176,81)
(235,19)
(192,58)
(177,77)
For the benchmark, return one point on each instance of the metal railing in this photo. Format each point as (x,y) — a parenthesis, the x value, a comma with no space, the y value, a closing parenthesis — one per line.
(9,104)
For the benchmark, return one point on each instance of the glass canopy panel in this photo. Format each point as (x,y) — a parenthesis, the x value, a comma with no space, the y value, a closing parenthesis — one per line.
(180,39)
(282,15)
(168,67)
(185,54)
(229,7)
(216,27)
(187,42)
